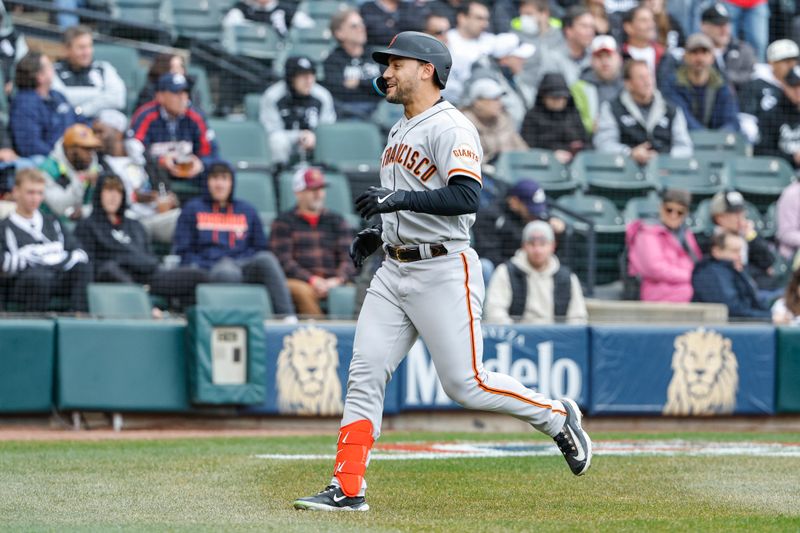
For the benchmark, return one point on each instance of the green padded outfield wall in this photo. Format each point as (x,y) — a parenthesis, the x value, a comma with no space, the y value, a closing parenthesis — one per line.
(122,365)
(27,355)
(788,385)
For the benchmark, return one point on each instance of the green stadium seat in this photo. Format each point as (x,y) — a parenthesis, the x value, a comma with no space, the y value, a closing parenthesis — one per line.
(234,296)
(760,179)
(338,196)
(538,165)
(252,106)
(386,115)
(197,19)
(256,40)
(611,175)
(645,207)
(609,235)
(770,221)
(727,142)
(243,142)
(341,302)
(349,146)
(118,300)
(691,174)
(155,13)
(202,88)
(322,9)
(258,189)
(123,58)
(319,33)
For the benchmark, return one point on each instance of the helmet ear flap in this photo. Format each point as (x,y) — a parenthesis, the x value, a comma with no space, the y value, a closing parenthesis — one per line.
(380,86)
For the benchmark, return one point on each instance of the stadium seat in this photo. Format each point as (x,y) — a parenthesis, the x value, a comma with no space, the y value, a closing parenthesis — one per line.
(342,302)
(386,115)
(202,88)
(770,221)
(611,175)
(256,40)
(349,146)
(118,300)
(645,207)
(538,165)
(242,142)
(322,10)
(338,196)
(319,33)
(691,174)
(197,19)
(760,179)
(252,106)
(729,143)
(234,296)
(258,189)
(126,61)
(609,227)
(154,13)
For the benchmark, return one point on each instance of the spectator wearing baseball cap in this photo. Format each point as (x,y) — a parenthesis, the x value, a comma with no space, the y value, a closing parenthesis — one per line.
(729,214)
(223,235)
(498,227)
(779,127)
(312,243)
(505,64)
(496,129)
(533,287)
(765,90)
(291,110)
(735,59)
(172,137)
(750,18)
(600,83)
(700,90)
(554,122)
(662,253)
(73,167)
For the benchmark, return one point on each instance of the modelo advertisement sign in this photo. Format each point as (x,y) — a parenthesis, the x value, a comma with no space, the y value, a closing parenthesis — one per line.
(553,360)
(683,372)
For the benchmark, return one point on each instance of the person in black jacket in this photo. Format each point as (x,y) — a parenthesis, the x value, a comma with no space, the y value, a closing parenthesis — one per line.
(349,71)
(386,18)
(779,126)
(554,122)
(721,278)
(120,249)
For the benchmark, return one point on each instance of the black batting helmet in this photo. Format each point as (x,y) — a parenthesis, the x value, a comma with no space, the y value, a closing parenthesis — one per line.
(421,46)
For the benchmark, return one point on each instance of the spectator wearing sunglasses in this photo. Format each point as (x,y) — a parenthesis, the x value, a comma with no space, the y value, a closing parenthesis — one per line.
(662,253)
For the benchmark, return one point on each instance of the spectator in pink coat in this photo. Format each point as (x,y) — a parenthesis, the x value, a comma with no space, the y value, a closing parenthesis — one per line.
(788,220)
(663,253)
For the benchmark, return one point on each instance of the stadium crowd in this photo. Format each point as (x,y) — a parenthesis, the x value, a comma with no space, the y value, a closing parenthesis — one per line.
(94,179)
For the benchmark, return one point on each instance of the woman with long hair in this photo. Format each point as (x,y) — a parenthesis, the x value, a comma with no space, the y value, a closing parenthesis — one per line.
(163,64)
(668,30)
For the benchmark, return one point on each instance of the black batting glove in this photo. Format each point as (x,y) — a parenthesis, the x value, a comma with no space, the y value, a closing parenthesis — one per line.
(376,200)
(365,244)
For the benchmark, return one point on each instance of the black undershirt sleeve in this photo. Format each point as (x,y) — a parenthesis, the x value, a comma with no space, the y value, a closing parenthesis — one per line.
(460,197)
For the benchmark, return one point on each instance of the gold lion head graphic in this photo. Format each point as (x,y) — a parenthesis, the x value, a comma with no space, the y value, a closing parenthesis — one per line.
(705,375)
(307,377)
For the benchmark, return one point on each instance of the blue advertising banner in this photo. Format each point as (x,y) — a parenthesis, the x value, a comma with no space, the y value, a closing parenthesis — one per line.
(554,360)
(680,371)
(307,369)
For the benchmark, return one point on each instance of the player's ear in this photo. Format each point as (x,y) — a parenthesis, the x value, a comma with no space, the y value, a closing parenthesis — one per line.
(426,71)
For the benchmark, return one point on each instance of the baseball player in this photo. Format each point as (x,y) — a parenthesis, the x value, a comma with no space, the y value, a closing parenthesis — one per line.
(430,284)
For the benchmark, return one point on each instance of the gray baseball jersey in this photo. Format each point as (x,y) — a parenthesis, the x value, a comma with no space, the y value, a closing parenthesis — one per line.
(422,154)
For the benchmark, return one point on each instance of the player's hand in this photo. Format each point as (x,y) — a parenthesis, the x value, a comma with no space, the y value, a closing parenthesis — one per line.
(376,200)
(365,243)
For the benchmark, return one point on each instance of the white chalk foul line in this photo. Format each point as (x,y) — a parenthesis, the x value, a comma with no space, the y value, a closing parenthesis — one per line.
(475,450)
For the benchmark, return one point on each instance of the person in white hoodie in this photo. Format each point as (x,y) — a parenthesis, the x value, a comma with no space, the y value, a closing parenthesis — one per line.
(533,287)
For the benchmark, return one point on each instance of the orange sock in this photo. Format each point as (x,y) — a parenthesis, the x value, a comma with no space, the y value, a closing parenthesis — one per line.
(355,442)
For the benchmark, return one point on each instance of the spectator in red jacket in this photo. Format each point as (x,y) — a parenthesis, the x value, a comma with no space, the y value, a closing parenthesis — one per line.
(312,244)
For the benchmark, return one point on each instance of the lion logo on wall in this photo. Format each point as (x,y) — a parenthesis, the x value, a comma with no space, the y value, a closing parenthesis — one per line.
(705,375)
(307,378)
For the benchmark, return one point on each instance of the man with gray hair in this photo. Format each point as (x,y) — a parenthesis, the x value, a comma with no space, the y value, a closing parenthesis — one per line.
(533,286)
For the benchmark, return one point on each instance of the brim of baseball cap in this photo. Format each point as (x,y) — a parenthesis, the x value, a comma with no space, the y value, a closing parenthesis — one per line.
(382,56)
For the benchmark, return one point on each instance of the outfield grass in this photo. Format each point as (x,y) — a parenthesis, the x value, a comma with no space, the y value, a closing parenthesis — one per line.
(217,484)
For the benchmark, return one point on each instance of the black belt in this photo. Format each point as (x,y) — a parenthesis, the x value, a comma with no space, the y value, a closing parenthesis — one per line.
(406,254)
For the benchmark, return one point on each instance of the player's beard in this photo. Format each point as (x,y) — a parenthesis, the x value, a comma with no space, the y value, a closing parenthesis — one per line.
(402,94)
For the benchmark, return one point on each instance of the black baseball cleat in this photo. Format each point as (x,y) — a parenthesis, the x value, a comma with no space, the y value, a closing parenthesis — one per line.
(573,441)
(332,499)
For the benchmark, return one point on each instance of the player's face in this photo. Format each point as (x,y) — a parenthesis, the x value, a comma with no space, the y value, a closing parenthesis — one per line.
(673,214)
(539,251)
(29,196)
(403,76)
(80,51)
(220,186)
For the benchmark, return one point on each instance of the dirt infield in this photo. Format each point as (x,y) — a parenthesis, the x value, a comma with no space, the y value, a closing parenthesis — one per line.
(98,427)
